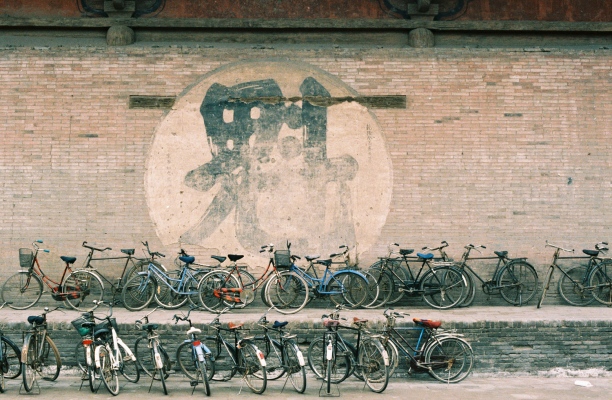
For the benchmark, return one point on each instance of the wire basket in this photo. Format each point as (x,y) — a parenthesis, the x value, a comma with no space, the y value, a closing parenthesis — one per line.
(282,259)
(78,325)
(25,258)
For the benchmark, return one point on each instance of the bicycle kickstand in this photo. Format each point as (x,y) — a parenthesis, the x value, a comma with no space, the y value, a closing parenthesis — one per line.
(31,392)
(332,393)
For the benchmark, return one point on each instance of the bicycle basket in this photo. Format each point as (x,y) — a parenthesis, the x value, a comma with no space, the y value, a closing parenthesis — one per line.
(25,258)
(282,258)
(78,325)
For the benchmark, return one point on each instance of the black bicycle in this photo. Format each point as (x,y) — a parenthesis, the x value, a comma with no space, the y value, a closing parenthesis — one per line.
(10,361)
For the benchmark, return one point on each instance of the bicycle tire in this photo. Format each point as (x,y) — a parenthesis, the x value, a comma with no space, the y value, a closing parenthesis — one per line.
(29,359)
(396,265)
(161,372)
(202,370)
(187,362)
(108,374)
(51,362)
(211,289)
(373,363)
(87,286)
(287,292)
(601,282)
(385,284)
(192,287)
(91,368)
(170,297)
(223,364)
(11,359)
(470,291)
(573,287)
(546,285)
(295,366)
(373,291)
(140,266)
(518,282)
(449,359)
(2,382)
(22,290)
(351,289)
(393,354)
(273,352)
(138,292)
(253,371)
(128,365)
(443,287)
(143,356)
(341,367)
(247,282)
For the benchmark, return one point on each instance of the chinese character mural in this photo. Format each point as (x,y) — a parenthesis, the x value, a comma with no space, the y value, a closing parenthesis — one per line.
(259,153)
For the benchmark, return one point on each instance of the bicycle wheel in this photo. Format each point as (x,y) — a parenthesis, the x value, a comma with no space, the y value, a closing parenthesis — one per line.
(222,364)
(22,290)
(518,283)
(11,359)
(393,354)
(600,281)
(142,351)
(191,287)
(287,292)
(399,276)
(170,297)
(573,287)
(348,289)
(294,365)
(449,359)
(50,363)
(127,364)
(470,289)
(546,284)
(90,368)
(160,372)
(341,366)
(216,285)
(247,282)
(385,284)
(250,367)
(273,353)
(373,365)
(443,287)
(81,289)
(373,291)
(141,266)
(108,374)
(186,361)
(29,362)
(138,292)
(203,374)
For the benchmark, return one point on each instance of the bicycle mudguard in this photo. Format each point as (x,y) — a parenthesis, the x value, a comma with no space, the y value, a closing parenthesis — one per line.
(349,271)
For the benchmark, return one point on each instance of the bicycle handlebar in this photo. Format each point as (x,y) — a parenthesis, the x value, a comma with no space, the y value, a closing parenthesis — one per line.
(153,254)
(444,244)
(558,247)
(93,248)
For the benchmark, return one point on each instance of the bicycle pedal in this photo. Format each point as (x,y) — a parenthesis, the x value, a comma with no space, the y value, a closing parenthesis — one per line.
(193,383)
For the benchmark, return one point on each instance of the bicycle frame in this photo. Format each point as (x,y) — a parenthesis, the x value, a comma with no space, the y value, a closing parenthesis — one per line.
(167,279)
(116,288)
(36,269)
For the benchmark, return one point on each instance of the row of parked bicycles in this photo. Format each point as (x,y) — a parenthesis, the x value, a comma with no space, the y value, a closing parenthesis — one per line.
(289,283)
(222,353)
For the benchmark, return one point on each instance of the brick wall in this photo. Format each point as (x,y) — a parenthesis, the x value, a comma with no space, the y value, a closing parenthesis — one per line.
(506,148)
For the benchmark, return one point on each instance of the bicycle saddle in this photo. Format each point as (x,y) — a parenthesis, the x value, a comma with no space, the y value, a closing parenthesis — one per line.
(234,257)
(279,324)
(592,253)
(69,260)
(129,252)
(36,319)
(427,256)
(331,322)
(232,326)
(405,252)
(359,320)
(502,254)
(219,258)
(427,323)
(327,262)
(311,258)
(187,259)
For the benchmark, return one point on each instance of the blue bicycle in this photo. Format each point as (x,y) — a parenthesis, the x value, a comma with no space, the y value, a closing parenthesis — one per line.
(170,290)
(345,287)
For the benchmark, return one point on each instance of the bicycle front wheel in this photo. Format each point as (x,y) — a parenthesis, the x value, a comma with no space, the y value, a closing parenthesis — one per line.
(108,374)
(449,359)
(138,292)
(29,362)
(22,290)
(295,366)
(252,369)
(348,289)
(373,363)
(287,292)
(573,287)
(216,287)
(601,283)
(11,359)
(162,371)
(518,283)
(385,284)
(341,364)
(373,291)
(399,276)
(81,289)
(546,285)
(170,294)
(203,373)
(443,287)
(273,353)
(128,365)
(187,362)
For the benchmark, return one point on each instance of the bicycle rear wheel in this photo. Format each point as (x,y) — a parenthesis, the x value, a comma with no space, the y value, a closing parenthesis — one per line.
(170,297)
(546,285)
(203,373)
(574,287)
(81,289)
(22,290)
(470,289)
(162,371)
(50,363)
(217,286)
(295,367)
(273,353)
(449,359)
(188,363)
(373,365)
(373,291)
(11,359)
(143,357)
(287,292)
(348,289)
(108,374)
(385,284)
(601,283)
(128,365)
(518,283)
(138,292)
(29,362)
(341,365)
(443,287)
(252,369)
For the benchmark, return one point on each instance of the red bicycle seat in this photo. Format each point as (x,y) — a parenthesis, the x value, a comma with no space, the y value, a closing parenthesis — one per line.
(233,326)
(427,323)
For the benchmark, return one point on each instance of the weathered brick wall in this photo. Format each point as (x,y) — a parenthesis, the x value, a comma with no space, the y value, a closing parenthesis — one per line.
(506,148)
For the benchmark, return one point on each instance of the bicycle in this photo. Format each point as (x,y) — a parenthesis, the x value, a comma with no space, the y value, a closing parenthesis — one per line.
(132,266)
(366,358)
(600,280)
(240,356)
(283,356)
(574,286)
(221,288)
(193,357)
(446,356)
(25,288)
(373,289)
(39,354)
(168,292)
(10,362)
(151,356)
(514,278)
(441,286)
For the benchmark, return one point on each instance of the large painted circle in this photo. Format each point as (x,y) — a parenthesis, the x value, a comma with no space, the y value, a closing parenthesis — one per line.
(316,176)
